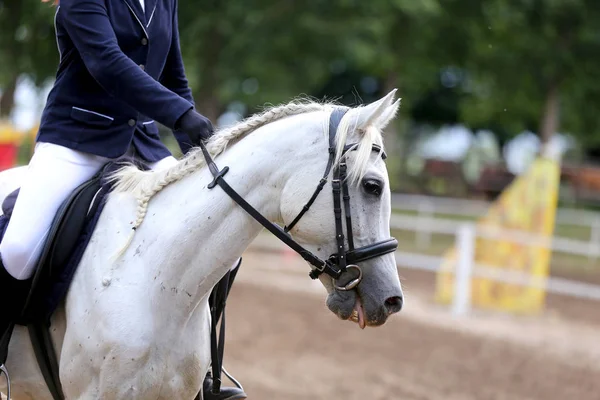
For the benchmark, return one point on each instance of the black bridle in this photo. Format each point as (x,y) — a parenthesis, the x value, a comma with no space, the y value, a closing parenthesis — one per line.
(344,259)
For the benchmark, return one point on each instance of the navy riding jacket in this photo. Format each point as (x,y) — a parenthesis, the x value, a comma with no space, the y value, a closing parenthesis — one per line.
(120,71)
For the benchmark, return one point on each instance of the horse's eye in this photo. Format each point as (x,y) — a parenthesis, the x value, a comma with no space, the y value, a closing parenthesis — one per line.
(373,186)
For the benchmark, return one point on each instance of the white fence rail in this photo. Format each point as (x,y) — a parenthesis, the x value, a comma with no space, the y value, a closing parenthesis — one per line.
(425,223)
(466,268)
(473,208)
(429,225)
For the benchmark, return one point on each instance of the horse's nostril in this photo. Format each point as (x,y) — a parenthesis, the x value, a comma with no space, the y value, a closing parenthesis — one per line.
(394,304)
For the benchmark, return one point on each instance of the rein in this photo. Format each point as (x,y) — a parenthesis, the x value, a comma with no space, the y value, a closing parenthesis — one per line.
(344,259)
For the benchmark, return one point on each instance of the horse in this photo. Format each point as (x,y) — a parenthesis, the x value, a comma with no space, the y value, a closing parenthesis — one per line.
(135,323)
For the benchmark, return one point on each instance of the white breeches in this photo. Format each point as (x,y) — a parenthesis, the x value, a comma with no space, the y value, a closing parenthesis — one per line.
(53,173)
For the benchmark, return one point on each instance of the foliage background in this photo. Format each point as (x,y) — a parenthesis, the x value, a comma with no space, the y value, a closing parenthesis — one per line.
(500,65)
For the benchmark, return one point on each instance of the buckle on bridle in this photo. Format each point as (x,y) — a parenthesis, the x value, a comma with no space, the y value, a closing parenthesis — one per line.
(314,274)
(327,268)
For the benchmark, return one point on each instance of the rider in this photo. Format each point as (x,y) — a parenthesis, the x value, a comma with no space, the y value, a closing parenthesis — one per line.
(120,72)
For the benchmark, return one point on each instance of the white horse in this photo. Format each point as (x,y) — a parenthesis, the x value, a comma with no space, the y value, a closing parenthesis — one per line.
(135,323)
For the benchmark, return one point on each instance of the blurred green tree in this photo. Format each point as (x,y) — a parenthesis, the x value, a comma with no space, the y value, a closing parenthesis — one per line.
(503,64)
(532,64)
(258,51)
(27,46)
(391,42)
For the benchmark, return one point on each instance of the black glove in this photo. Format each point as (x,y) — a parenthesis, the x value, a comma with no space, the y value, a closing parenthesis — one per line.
(196,126)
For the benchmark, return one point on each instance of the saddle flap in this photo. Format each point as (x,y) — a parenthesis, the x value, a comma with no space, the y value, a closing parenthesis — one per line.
(9,203)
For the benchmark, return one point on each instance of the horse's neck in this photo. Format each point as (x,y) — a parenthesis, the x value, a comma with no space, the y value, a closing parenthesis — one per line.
(203,231)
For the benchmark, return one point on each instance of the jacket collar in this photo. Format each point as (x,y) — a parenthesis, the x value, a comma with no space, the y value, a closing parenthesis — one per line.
(144,18)
(136,8)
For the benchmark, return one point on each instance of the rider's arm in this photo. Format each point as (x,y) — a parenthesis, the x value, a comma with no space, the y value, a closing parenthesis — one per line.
(90,29)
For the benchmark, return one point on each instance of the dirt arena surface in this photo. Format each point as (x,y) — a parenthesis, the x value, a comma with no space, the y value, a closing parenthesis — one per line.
(283,343)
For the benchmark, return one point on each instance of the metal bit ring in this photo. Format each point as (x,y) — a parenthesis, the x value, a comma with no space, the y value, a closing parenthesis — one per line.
(353,283)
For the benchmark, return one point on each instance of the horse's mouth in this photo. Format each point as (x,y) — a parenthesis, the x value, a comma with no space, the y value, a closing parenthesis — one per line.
(358,314)
(348,306)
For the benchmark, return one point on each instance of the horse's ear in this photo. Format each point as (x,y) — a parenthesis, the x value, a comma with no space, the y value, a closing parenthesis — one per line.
(388,115)
(375,113)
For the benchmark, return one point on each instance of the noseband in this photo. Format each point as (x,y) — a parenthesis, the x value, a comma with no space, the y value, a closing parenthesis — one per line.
(344,259)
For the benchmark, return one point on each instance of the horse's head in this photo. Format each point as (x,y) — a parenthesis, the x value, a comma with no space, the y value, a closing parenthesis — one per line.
(378,293)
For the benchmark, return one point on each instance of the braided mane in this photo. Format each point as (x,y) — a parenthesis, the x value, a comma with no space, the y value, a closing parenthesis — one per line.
(145,184)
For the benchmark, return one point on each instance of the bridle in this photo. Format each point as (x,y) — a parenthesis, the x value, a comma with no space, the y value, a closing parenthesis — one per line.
(344,259)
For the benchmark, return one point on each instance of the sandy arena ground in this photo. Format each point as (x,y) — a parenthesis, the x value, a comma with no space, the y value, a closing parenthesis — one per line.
(283,343)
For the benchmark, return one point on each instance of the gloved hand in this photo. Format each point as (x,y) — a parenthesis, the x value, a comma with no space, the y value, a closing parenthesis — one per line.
(196,126)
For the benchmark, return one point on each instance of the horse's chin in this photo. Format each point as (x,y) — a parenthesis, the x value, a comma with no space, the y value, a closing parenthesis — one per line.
(348,306)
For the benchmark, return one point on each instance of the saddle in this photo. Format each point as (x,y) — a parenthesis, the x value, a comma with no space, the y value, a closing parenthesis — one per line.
(69,235)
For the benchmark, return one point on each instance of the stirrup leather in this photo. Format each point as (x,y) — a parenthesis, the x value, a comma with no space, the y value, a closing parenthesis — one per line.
(4,341)
(4,371)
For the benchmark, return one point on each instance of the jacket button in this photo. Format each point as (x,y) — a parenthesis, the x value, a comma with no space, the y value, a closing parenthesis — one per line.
(131,122)
(144,41)
(143,67)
